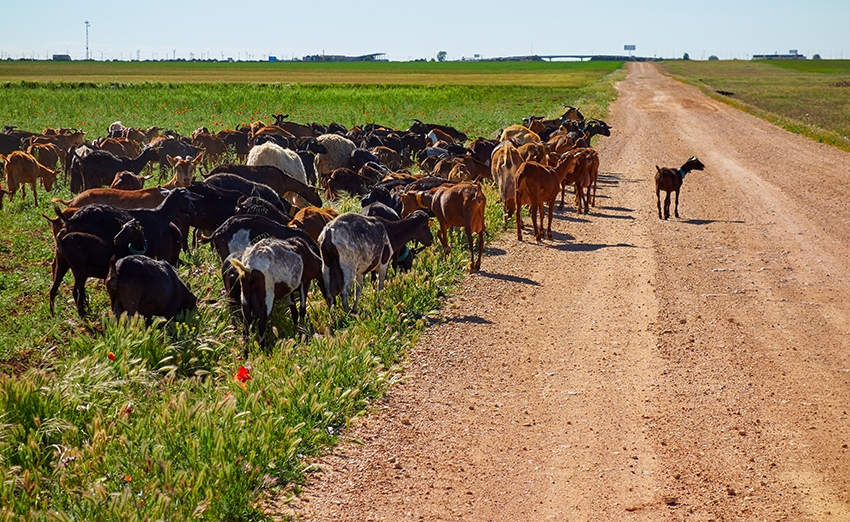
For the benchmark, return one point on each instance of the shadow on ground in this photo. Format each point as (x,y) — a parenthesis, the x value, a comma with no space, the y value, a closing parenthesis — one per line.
(507,277)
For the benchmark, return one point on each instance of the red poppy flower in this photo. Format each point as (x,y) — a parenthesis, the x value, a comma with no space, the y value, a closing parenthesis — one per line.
(243,375)
(110,356)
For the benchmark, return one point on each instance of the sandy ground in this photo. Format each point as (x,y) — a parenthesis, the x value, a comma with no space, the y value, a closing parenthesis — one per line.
(634,368)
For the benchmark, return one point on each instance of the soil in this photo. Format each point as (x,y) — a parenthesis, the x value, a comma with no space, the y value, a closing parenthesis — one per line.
(634,368)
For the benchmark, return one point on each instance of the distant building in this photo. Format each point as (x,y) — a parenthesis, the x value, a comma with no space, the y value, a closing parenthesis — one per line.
(272,58)
(792,55)
(61,58)
(376,57)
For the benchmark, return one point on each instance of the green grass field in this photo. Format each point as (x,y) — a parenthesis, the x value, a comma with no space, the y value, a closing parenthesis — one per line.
(556,74)
(111,420)
(809,97)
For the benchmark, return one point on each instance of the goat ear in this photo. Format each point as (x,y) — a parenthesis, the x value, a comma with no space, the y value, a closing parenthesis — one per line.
(198,158)
(171,161)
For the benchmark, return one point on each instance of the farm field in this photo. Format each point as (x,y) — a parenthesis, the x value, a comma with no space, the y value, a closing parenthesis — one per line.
(115,420)
(808,97)
(540,74)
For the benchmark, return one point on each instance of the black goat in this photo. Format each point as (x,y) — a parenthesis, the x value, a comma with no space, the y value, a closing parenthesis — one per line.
(99,167)
(670,180)
(402,259)
(87,255)
(272,177)
(260,207)
(144,286)
(105,221)
(248,188)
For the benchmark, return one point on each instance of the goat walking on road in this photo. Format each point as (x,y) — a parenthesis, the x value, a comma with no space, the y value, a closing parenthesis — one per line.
(670,180)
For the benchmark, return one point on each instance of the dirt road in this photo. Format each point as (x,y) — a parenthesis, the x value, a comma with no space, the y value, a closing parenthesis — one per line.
(633,368)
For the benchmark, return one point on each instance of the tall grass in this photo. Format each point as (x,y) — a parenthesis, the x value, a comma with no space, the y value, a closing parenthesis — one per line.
(108,419)
(806,97)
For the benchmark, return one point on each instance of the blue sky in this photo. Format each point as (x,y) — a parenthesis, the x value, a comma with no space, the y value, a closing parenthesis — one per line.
(408,30)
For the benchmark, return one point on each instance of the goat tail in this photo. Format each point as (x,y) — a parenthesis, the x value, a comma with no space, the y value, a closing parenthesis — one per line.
(112,276)
(60,215)
(333,269)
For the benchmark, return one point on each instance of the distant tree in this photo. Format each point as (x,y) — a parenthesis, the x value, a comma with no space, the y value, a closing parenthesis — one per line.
(713,57)
(441,56)
(816,57)
(686,57)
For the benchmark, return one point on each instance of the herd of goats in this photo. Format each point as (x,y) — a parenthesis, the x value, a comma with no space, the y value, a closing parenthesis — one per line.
(263,215)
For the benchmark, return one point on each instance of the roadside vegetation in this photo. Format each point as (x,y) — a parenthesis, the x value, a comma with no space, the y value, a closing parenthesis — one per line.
(102,419)
(807,97)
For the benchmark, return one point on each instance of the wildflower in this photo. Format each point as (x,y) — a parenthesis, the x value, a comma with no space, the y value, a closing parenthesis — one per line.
(128,478)
(110,356)
(243,375)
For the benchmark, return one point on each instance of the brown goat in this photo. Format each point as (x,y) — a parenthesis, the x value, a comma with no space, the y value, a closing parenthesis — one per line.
(127,180)
(313,220)
(22,168)
(460,205)
(213,146)
(47,154)
(670,180)
(536,184)
(505,162)
(120,146)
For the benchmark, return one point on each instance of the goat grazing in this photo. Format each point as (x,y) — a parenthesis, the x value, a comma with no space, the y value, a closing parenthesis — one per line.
(353,245)
(459,205)
(22,168)
(282,183)
(337,156)
(141,285)
(312,220)
(273,269)
(670,180)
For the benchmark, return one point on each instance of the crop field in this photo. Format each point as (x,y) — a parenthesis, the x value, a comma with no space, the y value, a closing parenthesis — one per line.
(555,74)
(809,97)
(102,419)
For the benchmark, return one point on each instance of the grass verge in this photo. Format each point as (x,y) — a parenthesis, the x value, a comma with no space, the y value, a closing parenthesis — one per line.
(807,98)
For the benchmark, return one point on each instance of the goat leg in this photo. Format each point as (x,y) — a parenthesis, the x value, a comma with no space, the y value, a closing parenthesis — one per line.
(60,268)
(658,201)
(538,234)
(469,240)
(480,249)
(519,223)
(293,310)
(676,208)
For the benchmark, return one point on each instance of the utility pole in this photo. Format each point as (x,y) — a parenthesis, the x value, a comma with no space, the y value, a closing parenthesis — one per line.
(87,39)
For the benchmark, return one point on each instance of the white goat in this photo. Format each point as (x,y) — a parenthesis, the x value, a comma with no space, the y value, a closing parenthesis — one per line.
(288,161)
(337,157)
